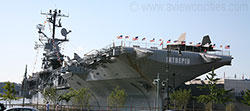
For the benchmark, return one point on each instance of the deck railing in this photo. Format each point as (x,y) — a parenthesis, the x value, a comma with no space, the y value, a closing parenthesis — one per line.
(153,45)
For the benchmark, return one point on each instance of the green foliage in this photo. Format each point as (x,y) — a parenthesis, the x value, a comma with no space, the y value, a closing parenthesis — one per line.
(81,97)
(9,92)
(216,95)
(180,98)
(246,97)
(67,96)
(50,94)
(117,98)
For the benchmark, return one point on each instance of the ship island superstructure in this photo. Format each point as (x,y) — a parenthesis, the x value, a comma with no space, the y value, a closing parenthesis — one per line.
(130,65)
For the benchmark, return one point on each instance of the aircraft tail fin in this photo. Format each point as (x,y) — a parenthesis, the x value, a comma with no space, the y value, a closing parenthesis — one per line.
(76,57)
(206,40)
(181,38)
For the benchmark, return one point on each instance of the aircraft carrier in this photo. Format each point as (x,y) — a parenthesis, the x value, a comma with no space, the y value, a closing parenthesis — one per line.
(130,65)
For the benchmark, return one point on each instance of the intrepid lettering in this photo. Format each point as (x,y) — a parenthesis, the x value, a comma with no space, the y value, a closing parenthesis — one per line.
(178,60)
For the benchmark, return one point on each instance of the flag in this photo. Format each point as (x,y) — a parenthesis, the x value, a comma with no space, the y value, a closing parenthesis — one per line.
(161,43)
(221,46)
(143,39)
(198,44)
(183,42)
(153,40)
(119,37)
(126,37)
(227,47)
(213,46)
(135,38)
(169,41)
(190,42)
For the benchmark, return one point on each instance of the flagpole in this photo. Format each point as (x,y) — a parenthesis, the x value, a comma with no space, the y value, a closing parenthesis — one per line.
(192,47)
(185,45)
(167,80)
(222,50)
(125,41)
(162,44)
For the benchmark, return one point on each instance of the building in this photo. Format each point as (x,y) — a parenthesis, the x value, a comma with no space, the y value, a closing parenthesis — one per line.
(238,86)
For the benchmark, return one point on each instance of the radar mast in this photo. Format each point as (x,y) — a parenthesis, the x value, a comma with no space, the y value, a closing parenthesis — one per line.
(52,57)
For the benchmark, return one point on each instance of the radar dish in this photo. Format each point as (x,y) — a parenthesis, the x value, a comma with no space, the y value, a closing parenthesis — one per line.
(64,32)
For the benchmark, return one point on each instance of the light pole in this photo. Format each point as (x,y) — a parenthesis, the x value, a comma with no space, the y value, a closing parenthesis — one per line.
(24,85)
(167,80)
(157,99)
(156,82)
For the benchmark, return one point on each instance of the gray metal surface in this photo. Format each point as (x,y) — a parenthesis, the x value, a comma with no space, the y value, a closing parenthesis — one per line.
(130,67)
(135,71)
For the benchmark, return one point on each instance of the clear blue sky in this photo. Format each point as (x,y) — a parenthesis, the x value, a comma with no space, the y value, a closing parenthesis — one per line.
(96,23)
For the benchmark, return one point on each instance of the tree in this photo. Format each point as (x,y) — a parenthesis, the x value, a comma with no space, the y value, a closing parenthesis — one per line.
(117,98)
(81,97)
(246,97)
(180,98)
(9,92)
(67,96)
(216,95)
(50,94)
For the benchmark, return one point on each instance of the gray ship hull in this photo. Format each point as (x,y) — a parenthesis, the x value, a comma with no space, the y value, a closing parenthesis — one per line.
(134,70)
(131,68)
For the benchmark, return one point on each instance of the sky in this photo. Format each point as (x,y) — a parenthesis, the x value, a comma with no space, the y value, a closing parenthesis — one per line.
(96,23)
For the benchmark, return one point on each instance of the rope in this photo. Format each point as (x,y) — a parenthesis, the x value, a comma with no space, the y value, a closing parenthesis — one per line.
(57,53)
(50,28)
(54,47)
(34,66)
(62,48)
(53,42)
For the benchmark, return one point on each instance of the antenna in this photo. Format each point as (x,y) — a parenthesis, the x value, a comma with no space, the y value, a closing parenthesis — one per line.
(52,16)
(52,57)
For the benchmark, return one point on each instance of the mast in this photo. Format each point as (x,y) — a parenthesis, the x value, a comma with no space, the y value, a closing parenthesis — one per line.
(54,24)
(53,58)
(24,85)
(52,19)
